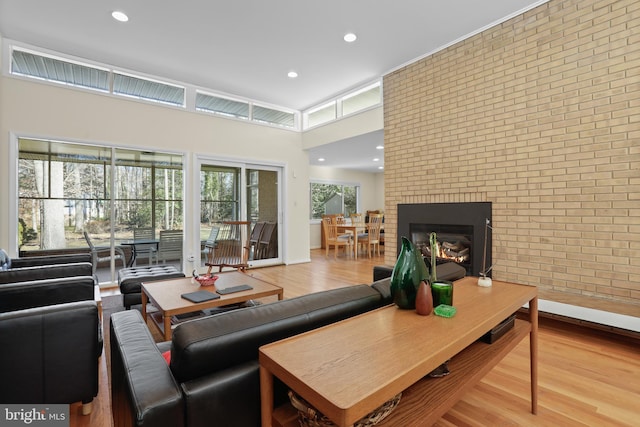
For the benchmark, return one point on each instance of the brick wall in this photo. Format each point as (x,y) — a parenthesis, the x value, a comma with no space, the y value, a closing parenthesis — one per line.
(539,115)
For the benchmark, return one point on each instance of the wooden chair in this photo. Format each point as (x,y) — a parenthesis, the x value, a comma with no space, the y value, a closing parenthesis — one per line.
(372,237)
(145,250)
(333,239)
(103,253)
(231,247)
(357,218)
(170,246)
(268,241)
(254,239)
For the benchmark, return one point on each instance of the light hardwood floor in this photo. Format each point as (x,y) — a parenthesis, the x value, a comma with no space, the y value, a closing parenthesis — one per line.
(586,377)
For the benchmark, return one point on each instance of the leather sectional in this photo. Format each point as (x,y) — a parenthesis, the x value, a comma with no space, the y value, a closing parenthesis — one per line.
(212,378)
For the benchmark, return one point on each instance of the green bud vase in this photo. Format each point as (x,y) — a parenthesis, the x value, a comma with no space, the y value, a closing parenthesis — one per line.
(442,290)
(407,274)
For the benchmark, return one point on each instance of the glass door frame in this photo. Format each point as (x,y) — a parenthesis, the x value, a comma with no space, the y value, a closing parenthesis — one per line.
(243,165)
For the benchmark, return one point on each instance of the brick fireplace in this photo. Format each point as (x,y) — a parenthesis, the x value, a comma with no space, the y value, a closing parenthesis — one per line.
(539,116)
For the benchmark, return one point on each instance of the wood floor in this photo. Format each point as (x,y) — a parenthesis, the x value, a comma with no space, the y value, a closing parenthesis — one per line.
(586,377)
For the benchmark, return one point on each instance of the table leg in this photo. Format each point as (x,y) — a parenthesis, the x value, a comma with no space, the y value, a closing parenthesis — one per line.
(355,243)
(167,326)
(533,353)
(145,300)
(266,396)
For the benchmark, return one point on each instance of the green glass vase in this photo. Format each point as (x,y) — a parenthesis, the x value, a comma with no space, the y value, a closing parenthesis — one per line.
(407,274)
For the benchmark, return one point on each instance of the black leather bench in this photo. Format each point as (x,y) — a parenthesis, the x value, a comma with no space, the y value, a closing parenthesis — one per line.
(129,280)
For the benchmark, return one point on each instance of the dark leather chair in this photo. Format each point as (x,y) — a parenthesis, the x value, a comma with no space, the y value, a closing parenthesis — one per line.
(51,341)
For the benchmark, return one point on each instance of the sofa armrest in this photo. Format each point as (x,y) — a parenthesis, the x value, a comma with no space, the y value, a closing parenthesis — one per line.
(50,354)
(36,293)
(34,261)
(25,274)
(232,395)
(143,390)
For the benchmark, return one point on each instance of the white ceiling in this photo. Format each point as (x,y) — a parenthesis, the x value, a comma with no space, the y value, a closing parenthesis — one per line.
(247,47)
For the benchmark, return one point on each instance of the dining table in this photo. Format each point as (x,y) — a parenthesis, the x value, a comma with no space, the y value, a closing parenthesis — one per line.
(355,228)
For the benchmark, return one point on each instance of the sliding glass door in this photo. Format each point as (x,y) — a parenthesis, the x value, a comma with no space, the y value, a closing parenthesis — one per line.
(231,191)
(78,197)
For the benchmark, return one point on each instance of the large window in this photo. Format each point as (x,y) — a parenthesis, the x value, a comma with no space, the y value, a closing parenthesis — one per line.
(333,199)
(66,189)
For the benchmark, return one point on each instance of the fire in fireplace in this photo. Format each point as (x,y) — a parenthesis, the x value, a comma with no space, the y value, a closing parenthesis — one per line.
(454,243)
(459,227)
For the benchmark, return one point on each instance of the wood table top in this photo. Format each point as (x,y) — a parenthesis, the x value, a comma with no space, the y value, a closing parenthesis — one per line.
(349,368)
(166,294)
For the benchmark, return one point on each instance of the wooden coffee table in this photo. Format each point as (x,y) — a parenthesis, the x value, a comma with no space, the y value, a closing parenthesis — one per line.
(348,369)
(165,295)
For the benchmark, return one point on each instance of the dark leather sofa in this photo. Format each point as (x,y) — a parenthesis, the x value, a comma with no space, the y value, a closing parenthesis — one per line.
(50,334)
(213,376)
(43,267)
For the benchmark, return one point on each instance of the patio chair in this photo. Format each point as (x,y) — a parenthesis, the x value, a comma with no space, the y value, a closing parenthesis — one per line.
(145,250)
(254,239)
(170,246)
(231,247)
(267,245)
(101,254)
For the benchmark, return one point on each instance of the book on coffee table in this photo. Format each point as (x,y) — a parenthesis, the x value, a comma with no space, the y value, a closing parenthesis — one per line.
(200,296)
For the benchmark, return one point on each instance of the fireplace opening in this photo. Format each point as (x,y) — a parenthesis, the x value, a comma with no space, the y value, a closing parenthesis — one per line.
(460,229)
(454,243)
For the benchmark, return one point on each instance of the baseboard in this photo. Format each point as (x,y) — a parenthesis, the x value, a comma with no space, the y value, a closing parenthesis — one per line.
(589,317)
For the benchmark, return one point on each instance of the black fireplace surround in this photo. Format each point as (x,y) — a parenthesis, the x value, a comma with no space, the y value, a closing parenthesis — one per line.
(470,217)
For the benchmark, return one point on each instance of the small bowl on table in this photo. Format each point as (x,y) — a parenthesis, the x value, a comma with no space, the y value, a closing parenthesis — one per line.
(206,280)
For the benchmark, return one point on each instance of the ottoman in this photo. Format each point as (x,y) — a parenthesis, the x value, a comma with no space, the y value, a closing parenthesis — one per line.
(129,280)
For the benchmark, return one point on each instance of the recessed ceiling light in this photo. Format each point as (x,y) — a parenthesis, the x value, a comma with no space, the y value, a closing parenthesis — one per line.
(321,159)
(380,167)
(376,159)
(380,147)
(119,16)
(292,74)
(350,37)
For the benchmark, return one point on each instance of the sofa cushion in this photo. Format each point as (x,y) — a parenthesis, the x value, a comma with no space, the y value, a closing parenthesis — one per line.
(203,346)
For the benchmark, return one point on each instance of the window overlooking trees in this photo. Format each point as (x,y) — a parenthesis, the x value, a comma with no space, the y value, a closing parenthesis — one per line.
(333,199)
(65,189)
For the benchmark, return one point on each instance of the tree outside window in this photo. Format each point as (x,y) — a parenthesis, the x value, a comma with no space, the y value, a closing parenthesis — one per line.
(333,199)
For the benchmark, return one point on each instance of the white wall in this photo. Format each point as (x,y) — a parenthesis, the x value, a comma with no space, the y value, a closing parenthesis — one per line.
(34,109)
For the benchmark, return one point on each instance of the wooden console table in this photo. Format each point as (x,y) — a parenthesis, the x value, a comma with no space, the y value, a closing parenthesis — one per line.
(347,369)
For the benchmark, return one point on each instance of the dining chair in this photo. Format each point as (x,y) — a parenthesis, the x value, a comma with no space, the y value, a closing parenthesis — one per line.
(357,218)
(145,250)
(101,254)
(230,248)
(372,238)
(170,246)
(332,238)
